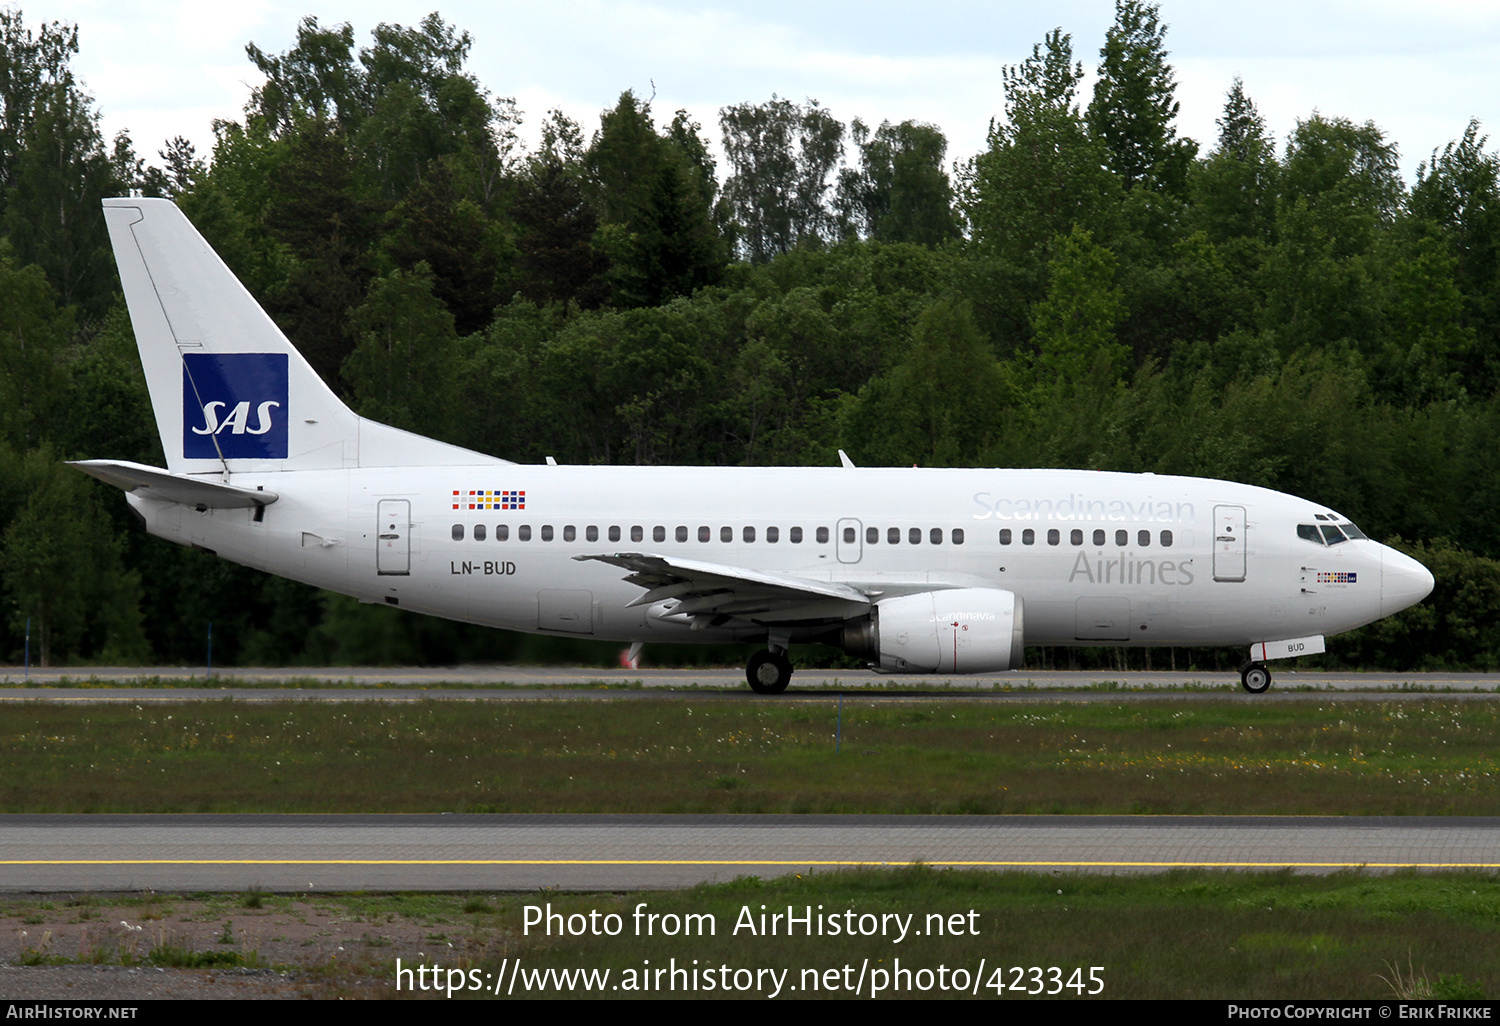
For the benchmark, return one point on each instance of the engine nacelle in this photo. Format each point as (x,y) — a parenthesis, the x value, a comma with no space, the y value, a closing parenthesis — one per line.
(963,630)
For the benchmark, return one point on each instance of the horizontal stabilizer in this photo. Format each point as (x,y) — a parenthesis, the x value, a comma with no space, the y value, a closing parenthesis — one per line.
(154,483)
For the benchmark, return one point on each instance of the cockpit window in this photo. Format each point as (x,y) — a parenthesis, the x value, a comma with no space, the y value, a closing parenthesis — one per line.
(1328,534)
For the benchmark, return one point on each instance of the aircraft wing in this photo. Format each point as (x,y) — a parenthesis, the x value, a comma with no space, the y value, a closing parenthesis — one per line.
(709,591)
(154,483)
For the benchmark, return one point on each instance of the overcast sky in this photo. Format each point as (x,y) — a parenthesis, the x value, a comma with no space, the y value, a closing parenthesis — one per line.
(166,67)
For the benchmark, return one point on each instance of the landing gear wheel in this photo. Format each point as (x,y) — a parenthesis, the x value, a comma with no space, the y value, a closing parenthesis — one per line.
(769,672)
(1255,678)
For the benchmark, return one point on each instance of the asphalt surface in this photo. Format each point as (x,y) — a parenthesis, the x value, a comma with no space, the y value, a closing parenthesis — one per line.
(102,684)
(575,852)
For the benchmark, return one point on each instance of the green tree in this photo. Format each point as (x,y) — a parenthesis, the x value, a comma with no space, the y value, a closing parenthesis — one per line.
(792,368)
(901,192)
(1234,189)
(557,261)
(1043,172)
(33,336)
(330,227)
(53,215)
(783,155)
(1134,103)
(316,80)
(1427,343)
(450,234)
(33,65)
(655,205)
(402,104)
(1458,191)
(1341,192)
(1075,323)
(61,565)
(402,368)
(941,406)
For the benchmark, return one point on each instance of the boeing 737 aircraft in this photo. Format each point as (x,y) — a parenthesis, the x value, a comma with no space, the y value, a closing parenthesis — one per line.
(916,571)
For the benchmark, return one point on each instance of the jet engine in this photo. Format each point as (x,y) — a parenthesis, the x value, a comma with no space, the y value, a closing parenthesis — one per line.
(962,630)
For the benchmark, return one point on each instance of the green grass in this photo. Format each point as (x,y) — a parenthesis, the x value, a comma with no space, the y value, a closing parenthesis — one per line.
(740,754)
(1183,934)
(1193,934)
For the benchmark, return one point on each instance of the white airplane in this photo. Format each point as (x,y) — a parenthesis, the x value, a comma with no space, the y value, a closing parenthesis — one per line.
(916,571)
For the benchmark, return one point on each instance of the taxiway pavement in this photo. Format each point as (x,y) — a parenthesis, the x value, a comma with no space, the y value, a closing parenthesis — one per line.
(613,852)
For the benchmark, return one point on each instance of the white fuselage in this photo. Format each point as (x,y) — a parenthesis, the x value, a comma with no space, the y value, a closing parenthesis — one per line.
(1098,558)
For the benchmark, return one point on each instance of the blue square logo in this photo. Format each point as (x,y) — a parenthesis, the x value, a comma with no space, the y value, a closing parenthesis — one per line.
(234,405)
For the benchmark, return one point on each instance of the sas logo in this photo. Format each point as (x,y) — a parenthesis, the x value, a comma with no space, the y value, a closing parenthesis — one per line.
(488,498)
(234,404)
(1337,577)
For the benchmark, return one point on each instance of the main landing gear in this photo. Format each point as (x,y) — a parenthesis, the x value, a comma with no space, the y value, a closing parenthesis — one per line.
(1255,678)
(769,672)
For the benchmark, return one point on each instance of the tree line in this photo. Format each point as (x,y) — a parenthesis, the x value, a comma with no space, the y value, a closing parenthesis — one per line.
(1092,290)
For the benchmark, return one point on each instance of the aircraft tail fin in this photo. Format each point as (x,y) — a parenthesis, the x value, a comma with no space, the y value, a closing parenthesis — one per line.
(230,392)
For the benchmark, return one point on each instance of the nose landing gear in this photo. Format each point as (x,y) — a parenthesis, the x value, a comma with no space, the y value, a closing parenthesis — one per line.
(1255,678)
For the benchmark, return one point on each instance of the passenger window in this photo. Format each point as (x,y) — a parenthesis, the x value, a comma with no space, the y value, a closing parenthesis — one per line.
(1004,536)
(458,532)
(795,536)
(1054,536)
(749,534)
(1075,536)
(570,533)
(704,534)
(1028,537)
(914,536)
(591,533)
(479,532)
(935,536)
(524,532)
(872,535)
(614,533)
(848,535)
(502,532)
(637,533)
(823,536)
(1143,538)
(546,532)
(1122,538)
(1098,537)
(958,536)
(726,534)
(773,535)
(893,536)
(658,533)
(1166,539)
(682,534)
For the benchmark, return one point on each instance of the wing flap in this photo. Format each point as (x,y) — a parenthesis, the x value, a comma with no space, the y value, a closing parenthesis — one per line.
(709,589)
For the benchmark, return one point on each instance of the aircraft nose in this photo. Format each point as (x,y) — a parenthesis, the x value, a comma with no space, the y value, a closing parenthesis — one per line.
(1403,581)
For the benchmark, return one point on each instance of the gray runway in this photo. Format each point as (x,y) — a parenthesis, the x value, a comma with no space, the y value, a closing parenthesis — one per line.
(523,853)
(403,684)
